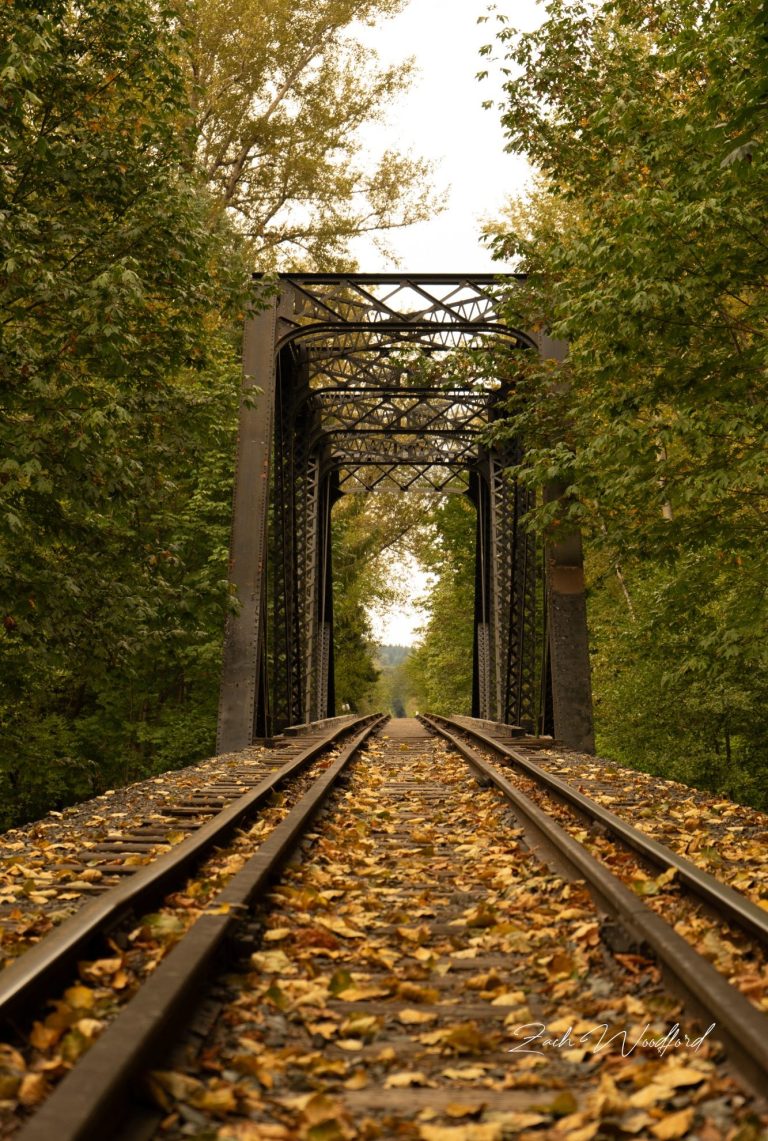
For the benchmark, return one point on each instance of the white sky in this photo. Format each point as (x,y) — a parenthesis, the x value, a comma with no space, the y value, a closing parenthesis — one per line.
(441,118)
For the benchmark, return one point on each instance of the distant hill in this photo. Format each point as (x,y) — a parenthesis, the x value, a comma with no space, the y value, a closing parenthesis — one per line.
(389,656)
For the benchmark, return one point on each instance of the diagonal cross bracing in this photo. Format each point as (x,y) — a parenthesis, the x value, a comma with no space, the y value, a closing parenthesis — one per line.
(358,383)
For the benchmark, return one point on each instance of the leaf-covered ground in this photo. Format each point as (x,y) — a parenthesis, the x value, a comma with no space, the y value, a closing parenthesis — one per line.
(46,873)
(400,960)
(724,839)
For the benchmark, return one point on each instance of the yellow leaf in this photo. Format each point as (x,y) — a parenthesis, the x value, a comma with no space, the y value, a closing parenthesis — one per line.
(677,1076)
(413,993)
(219,1102)
(635,1122)
(89,1027)
(339,927)
(364,1025)
(43,1037)
(415,1017)
(649,1095)
(276,934)
(407,1078)
(361,993)
(487,1132)
(521,1120)
(465,1073)
(463,1109)
(252,1131)
(509,998)
(100,969)
(358,1080)
(415,934)
(167,1086)
(325,1029)
(275,961)
(674,1125)
(80,997)
(32,1090)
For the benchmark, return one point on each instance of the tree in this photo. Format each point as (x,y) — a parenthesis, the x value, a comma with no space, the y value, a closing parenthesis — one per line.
(370,534)
(113,300)
(655,271)
(440,666)
(281,93)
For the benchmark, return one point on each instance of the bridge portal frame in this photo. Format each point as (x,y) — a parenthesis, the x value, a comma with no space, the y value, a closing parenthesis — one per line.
(293,464)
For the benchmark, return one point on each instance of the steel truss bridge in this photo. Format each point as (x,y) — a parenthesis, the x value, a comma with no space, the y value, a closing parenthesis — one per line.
(356,383)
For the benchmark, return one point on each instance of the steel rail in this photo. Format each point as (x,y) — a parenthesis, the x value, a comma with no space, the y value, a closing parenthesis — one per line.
(726,900)
(741,1028)
(31,977)
(91,1099)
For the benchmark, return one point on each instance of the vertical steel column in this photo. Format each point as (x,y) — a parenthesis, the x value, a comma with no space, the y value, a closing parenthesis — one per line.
(567,620)
(481,664)
(244,644)
(324,680)
(291,512)
(513,585)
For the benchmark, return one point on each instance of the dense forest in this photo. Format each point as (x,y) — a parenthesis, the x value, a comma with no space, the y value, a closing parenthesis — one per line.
(155,154)
(645,245)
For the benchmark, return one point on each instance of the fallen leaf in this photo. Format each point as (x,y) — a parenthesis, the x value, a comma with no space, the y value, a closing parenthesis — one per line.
(464,1109)
(486,1132)
(33,1089)
(276,934)
(404,1079)
(355,993)
(339,927)
(415,1017)
(674,1125)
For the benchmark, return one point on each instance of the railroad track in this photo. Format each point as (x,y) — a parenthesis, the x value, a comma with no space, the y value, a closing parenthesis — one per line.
(342,964)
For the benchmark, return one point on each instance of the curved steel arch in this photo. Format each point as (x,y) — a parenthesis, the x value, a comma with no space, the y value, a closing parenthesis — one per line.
(348,387)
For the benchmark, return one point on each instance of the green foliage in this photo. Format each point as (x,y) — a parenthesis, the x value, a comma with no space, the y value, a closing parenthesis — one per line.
(281,93)
(149,151)
(394,691)
(440,667)
(369,533)
(117,390)
(645,249)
